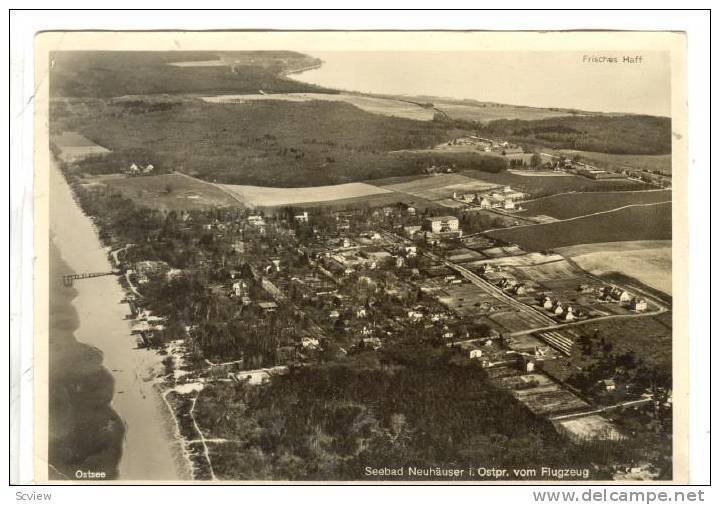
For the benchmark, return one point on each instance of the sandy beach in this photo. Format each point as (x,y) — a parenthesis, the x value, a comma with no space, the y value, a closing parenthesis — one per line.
(150,450)
(85,433)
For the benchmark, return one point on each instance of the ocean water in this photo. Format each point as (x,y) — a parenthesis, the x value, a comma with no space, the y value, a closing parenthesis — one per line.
(84,432)
(96,321)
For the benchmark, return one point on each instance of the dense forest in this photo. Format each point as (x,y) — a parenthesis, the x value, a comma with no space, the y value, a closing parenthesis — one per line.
(284,143)
(118,73)
(261,143)
(628,134)
(485,163)
(417,405)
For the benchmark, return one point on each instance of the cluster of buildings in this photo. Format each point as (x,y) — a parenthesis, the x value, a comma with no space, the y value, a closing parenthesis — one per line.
(487,145)
(143,270)
(615,294)
(352,286)
(663,180)
(595,173)
(442,224)
(564,312)
(258,222)
(506,198)
(147,327)
(559,307)
(434,228)
(354,247)
(134,170)
(656,178)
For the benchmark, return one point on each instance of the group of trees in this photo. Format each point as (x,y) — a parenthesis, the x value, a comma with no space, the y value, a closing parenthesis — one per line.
(632,376)
(119,73)
(631,134)
(491,163)
(117,215)
(222,327)
(422,407)
(475,222)
(268,147)
(121,160)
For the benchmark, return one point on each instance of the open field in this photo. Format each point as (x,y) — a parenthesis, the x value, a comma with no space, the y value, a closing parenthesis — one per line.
(374,105)
(615,162)
(463,255)
(496,252)
(551,271)
(541,186)
(483,112)
(570,205)
(468,300)
(549,400)
(257,196)
(650,262)
(652,222)
(376,200)
(167,191)
(73,146)
(540,173)
(438,187)
(199,63)
(512,320)
(594,427)
(650,338)
(520,259)
(472,302)
(490,112)
(188,193)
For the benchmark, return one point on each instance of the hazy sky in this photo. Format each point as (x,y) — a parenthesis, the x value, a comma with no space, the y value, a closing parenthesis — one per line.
(542,79)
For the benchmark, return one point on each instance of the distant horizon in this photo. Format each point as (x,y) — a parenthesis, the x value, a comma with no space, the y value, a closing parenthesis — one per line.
(563,80)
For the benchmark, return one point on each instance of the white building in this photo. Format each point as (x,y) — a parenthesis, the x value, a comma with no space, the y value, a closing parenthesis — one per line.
(640,304)
(442,223)
(310,343)
(258,221)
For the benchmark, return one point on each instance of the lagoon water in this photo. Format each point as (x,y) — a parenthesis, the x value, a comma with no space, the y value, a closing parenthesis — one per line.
(150,451)
(536,79)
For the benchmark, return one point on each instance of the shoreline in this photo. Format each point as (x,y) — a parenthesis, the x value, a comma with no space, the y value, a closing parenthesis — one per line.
(63,412)
(459,97)
(133,372)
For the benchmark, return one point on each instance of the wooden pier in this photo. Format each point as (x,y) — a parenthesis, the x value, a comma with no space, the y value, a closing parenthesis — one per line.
(69,279)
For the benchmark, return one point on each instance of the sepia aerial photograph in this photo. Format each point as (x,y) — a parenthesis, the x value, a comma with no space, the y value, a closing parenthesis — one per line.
(384,264)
